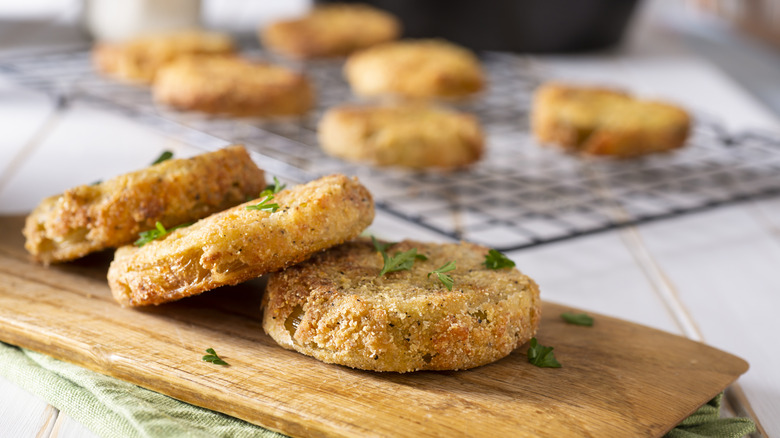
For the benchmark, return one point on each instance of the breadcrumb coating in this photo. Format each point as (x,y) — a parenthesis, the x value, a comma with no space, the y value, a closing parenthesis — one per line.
(331,30)
(233,86)
(139,59)
(111,213)
(335,307)
(240,244)
(408,135)
(600,121)
(420,69)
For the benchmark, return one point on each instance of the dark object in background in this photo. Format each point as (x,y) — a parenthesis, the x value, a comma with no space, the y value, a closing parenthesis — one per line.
(514,25)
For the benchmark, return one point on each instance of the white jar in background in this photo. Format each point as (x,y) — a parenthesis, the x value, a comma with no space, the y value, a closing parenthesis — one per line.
(117,20)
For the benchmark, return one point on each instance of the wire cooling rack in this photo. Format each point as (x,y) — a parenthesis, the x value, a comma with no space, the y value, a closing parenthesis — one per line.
(519,195)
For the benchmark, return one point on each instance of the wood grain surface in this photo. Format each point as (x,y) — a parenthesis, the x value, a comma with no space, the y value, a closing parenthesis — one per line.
(618,378)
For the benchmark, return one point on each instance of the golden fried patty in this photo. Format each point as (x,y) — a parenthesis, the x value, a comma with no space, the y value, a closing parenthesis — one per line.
(331,30)
(336,308)
(415,69)
(599,121)
(239,244)
(139,59)
(234,86)
(109,214)
(409,135)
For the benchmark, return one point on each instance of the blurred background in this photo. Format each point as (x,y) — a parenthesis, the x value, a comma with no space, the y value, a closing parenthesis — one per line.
(741,37)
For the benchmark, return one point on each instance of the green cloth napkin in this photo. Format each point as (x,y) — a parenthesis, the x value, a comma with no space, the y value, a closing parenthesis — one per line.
(114,408)
(706,422)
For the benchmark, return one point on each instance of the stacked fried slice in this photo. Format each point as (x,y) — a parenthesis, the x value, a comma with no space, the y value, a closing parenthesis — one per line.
(339,308)
(112,213)
(242,243)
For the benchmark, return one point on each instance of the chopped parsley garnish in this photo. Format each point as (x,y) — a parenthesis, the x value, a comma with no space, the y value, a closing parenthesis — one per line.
(444,278)
(379,246)
(273,189)
(155,233)
(577,319)
(265,205)
(497,260)
(165,156)
(401,261)
(542,356)
(213,357)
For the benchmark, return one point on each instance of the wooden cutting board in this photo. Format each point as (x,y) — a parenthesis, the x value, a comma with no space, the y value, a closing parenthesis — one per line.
(618,378)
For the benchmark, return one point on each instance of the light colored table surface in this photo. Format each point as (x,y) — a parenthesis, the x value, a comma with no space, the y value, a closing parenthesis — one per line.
(711,276)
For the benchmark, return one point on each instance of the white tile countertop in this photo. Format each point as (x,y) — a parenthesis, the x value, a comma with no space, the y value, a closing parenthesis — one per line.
(711,276)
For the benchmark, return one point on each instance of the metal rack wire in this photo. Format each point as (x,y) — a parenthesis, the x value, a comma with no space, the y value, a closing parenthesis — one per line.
(519,195)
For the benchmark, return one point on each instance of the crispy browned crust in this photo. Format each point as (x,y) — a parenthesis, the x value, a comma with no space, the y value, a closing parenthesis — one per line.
(408,135)
(331,30)
(109,214)
(599,121)
(234,86)
(415,69)
(240,244)
(138,60)
(335,308)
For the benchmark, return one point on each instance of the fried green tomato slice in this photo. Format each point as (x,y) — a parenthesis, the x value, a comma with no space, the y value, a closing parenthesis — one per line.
(336,307)
(242,243)
(112,213)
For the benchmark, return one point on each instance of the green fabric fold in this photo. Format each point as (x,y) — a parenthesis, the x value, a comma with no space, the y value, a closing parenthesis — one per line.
(706,422)
(112,408)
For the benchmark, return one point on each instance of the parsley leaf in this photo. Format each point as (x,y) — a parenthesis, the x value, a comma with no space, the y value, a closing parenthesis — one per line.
(577,319)
(265,205)
(379,246)
(155,233)
(165,156)
(497,260)
(401,261)
(542,356)
(273,189)
(444,278)
(213,357)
